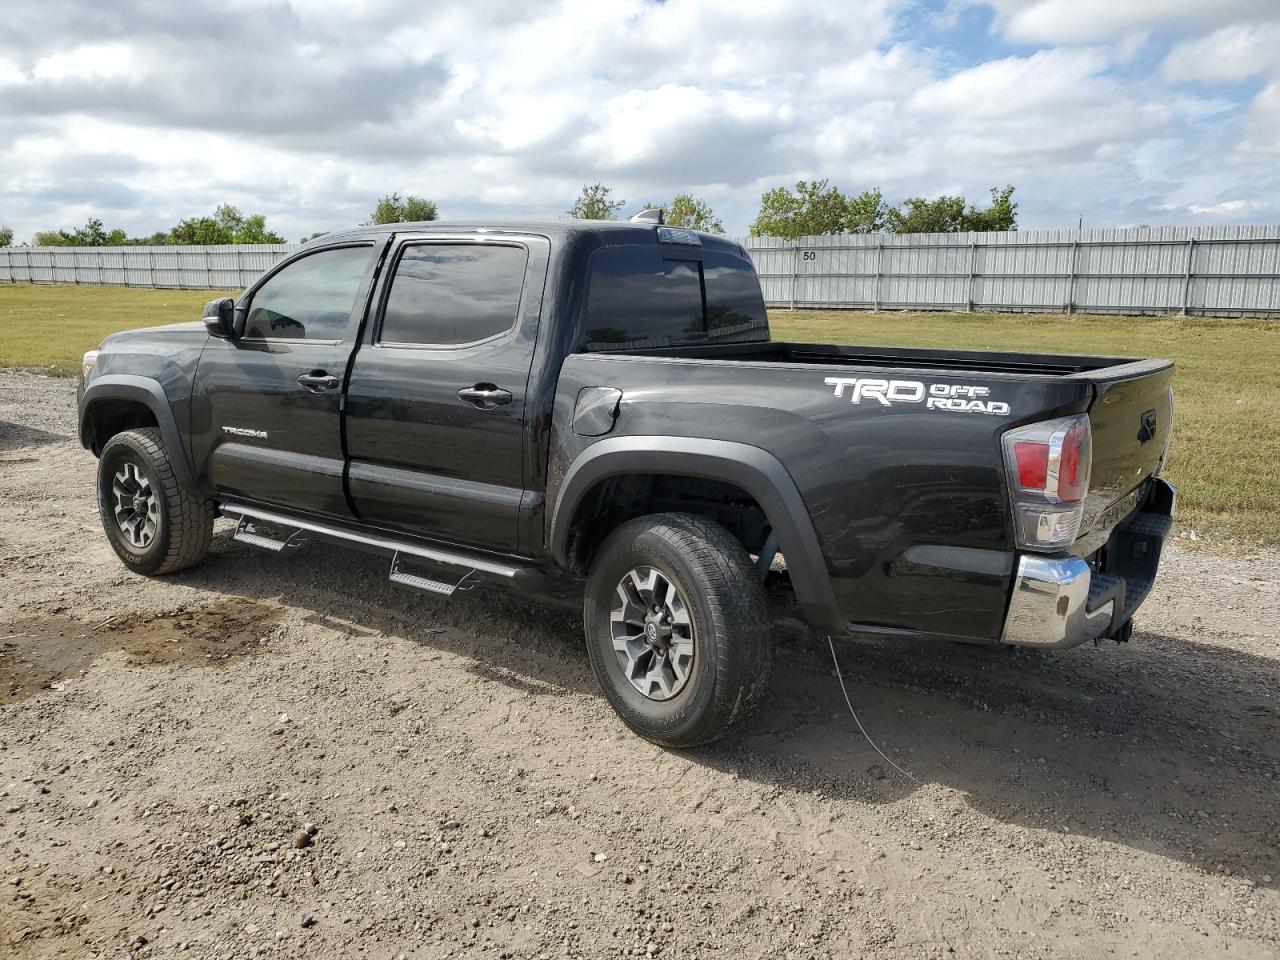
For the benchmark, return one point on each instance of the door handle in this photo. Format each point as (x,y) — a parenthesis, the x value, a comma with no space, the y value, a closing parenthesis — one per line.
(317,381)
(484,395)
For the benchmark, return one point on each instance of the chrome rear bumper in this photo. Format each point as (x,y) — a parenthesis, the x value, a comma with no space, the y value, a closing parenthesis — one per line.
(1063,601)
(1048,607)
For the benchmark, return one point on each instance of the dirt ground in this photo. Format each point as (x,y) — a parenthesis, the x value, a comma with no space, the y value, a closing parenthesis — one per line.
(266,757)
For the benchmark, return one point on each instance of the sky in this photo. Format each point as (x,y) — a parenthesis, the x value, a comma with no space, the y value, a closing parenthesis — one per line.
(1116,112)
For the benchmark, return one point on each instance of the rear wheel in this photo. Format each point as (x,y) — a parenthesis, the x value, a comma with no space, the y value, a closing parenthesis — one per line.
(677,628)
(154,524)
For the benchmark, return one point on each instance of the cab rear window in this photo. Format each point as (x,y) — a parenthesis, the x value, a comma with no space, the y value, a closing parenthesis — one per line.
(644,297)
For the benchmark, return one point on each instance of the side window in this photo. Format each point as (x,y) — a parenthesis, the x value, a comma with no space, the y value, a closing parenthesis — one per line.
(311,298)
(448,294)
(638,299)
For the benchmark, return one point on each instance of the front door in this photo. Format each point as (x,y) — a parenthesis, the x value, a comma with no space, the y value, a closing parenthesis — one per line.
(436,412)
(266,409)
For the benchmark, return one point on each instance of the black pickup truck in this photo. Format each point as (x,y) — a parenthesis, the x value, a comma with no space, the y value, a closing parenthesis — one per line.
(596,410)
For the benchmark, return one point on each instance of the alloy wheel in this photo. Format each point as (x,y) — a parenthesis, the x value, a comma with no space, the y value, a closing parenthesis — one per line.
(653,635)
(137,508)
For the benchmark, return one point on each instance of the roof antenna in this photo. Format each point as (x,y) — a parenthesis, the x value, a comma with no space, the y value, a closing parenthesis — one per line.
(649,215)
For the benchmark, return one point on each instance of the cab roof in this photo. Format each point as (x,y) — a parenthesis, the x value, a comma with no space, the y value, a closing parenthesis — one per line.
(606,232)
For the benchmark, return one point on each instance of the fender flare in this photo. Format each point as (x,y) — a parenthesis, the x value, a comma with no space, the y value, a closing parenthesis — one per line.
(755,470)
(149,393)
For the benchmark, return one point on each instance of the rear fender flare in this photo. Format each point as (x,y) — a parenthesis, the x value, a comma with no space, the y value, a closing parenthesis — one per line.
(756,471)
(148,393)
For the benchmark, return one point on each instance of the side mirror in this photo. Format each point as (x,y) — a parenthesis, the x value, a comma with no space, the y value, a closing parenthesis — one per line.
(219,318)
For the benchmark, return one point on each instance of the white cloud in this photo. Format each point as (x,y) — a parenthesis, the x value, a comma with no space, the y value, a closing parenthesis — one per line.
(1091,21)
(1229,55)
(91,62)
(308,110)
(1017,113)
(1260,143)
(10,75)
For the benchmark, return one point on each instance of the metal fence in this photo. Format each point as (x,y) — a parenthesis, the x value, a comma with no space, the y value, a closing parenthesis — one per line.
(219,267)
(1223,271)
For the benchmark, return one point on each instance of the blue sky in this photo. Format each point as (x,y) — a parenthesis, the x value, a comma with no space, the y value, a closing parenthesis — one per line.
(1114,111)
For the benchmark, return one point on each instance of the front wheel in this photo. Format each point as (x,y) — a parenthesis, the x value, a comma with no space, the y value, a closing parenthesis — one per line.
(155,525)
(677,628)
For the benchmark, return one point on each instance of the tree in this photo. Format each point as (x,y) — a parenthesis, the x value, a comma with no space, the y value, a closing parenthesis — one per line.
(392,209)
(816,209)
(92,234)
(686,210)
(952,215)
(6,236)
(227,225)
(865,213)
(594,203)
(1001,215)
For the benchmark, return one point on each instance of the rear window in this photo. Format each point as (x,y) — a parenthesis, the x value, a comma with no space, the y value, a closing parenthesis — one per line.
(735,305)
(642,297)
(450,294)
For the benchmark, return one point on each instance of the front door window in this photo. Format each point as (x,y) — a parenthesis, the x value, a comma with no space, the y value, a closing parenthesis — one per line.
(310,299)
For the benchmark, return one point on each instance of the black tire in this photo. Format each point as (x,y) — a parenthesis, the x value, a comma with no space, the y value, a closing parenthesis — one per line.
(732,656)
(184,520)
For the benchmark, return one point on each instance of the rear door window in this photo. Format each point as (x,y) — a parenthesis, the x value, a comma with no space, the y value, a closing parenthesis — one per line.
(637,298)
(446,294)
(642,297)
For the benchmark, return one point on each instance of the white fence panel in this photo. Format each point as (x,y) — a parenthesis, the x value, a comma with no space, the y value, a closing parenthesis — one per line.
(1227,271)
(227,267)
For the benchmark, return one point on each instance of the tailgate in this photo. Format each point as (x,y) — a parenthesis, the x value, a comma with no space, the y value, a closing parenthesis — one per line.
(1131,418)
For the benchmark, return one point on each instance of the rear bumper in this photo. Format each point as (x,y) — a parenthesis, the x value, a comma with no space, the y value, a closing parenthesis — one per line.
(1066,601)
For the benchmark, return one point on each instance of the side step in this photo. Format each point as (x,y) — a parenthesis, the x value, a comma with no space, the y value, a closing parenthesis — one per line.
(246,533)
(468,582)
(473,566)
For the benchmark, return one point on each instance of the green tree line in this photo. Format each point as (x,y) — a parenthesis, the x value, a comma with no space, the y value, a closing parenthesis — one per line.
(815,207)
(226,225)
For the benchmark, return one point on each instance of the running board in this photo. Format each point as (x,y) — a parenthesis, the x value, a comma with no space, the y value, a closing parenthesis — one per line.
(246,533)
(395,548)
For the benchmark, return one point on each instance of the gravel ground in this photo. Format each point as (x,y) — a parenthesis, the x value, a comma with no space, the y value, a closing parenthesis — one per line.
(266,757)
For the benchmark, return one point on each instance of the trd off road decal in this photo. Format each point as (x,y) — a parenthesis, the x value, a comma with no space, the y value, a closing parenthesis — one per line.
(954,397)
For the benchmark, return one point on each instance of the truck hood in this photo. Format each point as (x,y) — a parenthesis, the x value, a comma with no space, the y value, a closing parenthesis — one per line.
(167,335)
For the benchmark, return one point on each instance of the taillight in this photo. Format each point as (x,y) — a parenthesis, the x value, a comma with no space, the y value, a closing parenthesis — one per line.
(1048,466)
(1033,464)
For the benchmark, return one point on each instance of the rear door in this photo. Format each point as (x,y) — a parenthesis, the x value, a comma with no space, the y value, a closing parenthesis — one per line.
(266,409)
(436,405)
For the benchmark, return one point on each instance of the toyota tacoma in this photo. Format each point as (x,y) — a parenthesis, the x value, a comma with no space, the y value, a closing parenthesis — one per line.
(596,410)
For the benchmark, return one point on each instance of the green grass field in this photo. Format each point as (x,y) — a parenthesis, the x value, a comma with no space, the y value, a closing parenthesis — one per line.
(49,328)
(1226,438)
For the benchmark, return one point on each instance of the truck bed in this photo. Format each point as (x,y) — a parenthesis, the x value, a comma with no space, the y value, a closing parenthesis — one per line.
(911,358)
(900,489)
(1117,392)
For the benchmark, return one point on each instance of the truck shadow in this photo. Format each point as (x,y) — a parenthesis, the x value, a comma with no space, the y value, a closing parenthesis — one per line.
(14,436)
(1165,744)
